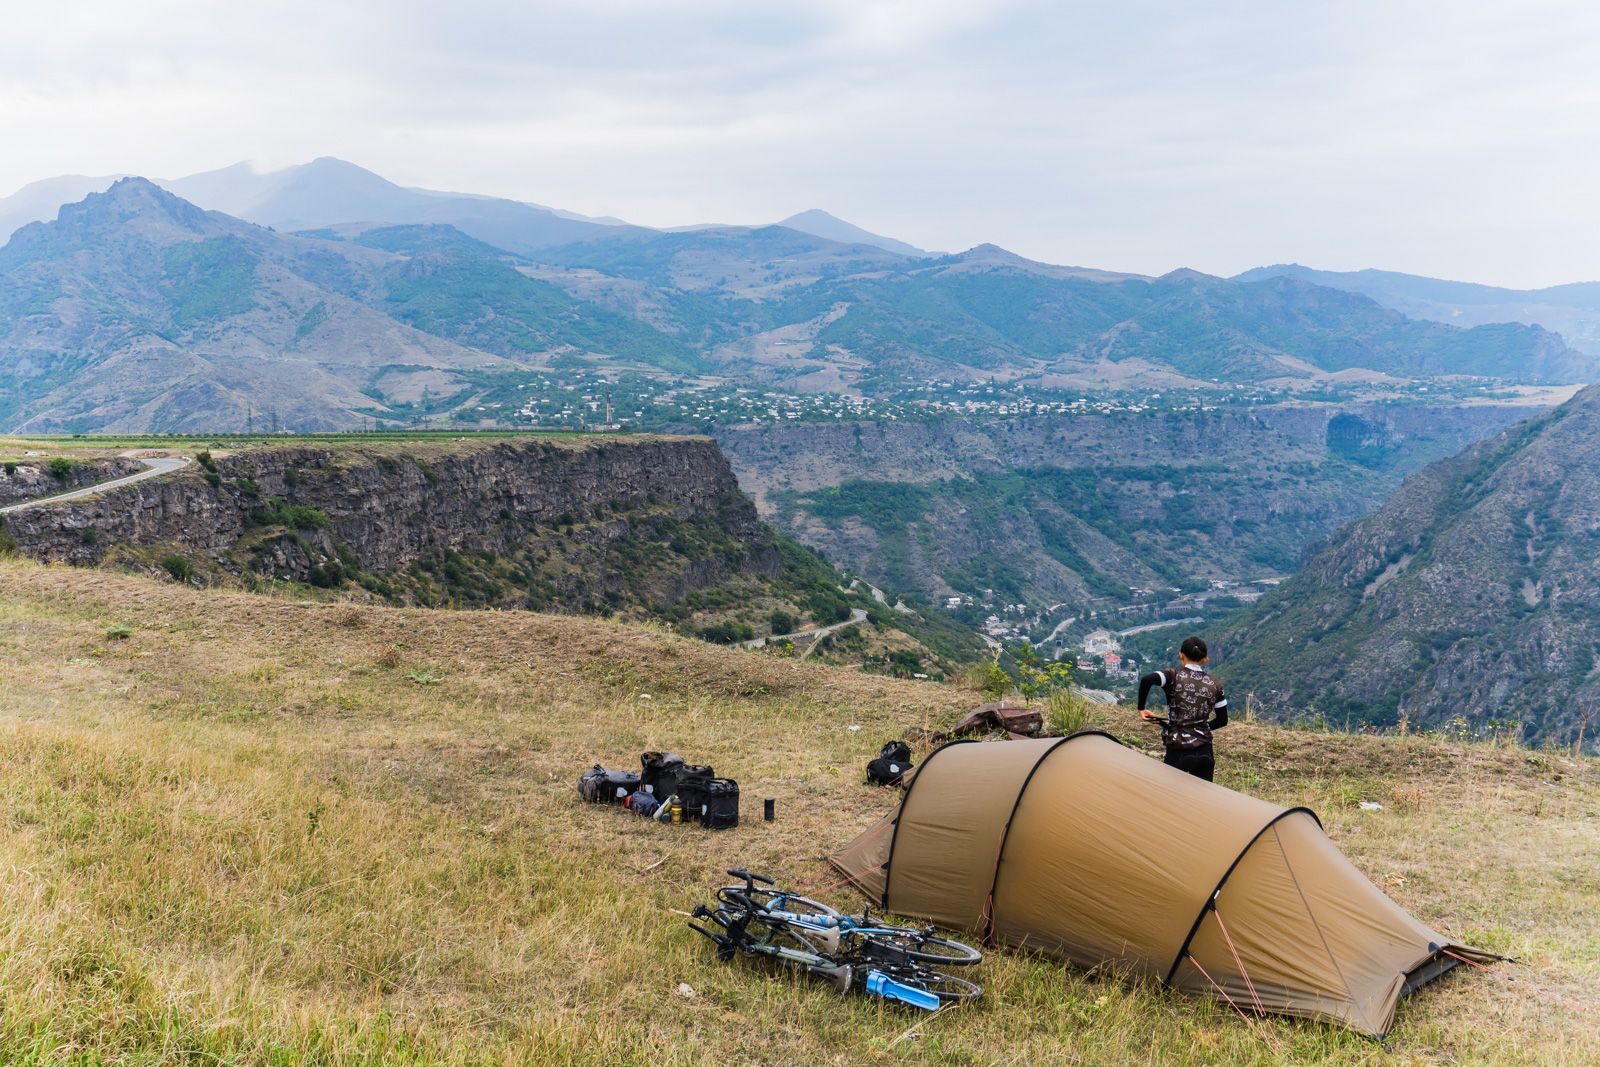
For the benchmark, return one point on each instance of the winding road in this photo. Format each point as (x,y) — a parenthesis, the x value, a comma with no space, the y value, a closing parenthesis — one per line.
(155,467)
(857,615)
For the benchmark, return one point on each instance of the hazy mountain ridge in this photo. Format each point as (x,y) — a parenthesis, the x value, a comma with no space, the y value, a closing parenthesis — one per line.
(139,310)
(1473,592)
(928,320)
(820,223)
(1572,310)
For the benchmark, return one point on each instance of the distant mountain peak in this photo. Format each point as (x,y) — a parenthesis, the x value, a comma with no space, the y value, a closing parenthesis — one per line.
(134,197)
(819,223)
(1187,274)
(990,256)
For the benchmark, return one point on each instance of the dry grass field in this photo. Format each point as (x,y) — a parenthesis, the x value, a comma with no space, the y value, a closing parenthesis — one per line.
(237,829)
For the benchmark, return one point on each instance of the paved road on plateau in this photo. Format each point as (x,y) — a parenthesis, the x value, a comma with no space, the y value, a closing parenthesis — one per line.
(155,467)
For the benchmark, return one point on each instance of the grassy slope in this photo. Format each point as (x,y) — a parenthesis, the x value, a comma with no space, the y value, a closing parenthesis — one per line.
(247,833)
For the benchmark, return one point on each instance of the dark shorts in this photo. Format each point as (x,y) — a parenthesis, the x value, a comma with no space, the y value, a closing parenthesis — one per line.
(1199,761)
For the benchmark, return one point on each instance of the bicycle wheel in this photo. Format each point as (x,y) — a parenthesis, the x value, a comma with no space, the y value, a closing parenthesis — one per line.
(939,951)
(946,987)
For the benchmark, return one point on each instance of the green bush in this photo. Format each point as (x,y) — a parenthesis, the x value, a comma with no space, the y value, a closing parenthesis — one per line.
(726,633)
(1067,714)
(294,516)
(904,663)
(827,606)
(782,622)
(327,575)
(179,567)
(993,682)
(60,466)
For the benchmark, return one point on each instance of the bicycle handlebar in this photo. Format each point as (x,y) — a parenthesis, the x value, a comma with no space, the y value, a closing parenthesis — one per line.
(731,895)
(750,876)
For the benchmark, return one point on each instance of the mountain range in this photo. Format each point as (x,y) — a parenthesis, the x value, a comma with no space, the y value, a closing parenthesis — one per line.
(330,192)
(1571,310)
(138,309)
(1473,593)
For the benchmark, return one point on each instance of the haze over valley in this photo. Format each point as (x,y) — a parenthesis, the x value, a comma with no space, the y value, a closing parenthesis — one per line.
(1007,442)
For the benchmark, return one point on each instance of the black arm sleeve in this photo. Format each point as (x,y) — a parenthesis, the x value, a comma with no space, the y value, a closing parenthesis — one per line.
(1147,683)
(1220,717)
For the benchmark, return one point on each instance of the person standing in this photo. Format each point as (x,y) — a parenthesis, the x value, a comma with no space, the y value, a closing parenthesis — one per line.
(1195,707)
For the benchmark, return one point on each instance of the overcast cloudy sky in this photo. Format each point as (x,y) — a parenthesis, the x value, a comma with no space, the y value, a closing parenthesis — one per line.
(1457,139)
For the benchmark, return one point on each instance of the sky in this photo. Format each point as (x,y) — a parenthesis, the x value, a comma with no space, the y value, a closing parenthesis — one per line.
(1459,140)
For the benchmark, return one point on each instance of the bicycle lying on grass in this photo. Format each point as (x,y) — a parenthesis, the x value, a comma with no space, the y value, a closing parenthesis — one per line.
(895,962)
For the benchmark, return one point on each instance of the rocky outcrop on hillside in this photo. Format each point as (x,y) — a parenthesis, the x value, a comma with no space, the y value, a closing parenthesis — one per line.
(586,524)
(30,479)
(1473,593)
(1069,508)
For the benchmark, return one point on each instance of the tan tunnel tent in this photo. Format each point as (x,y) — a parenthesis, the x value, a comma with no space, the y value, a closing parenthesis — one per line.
(1090,852)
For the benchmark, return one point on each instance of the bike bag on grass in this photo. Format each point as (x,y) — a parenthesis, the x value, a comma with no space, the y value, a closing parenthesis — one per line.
(664,771)
(892,764)
(714,802)
(600,786)
(642,803)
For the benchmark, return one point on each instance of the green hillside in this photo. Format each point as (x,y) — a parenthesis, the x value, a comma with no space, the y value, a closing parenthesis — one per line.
(1472,595)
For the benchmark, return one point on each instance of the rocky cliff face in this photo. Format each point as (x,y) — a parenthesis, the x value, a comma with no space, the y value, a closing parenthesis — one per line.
(581,524)
(1065,509)
(31,479)
(1473,593)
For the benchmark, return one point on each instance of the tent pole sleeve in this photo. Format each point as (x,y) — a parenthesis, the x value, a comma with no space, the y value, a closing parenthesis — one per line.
(905,799)
(1000,854)
(1211,897)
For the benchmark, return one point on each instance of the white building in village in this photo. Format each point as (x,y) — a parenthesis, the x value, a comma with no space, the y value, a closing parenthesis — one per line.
(1100,642)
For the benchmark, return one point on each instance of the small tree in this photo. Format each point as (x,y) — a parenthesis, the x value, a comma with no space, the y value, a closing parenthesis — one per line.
(1034,679)
(60,466)
(993,682)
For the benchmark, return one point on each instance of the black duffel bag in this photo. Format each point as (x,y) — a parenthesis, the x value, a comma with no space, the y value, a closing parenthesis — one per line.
(600,786)
(712,802)
(892,765)
(663,771)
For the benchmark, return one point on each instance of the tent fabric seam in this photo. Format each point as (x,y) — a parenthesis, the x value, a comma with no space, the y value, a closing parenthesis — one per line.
(1211,897)
(1022,791)
(888,861)
(1312,915)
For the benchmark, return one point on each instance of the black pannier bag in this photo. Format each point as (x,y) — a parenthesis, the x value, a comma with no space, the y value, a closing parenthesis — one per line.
(600,786)
(892,765)
(714,802)
(657,766)
(662,771)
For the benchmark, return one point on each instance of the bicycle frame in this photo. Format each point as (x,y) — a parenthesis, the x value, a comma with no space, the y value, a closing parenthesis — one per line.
(871,953)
